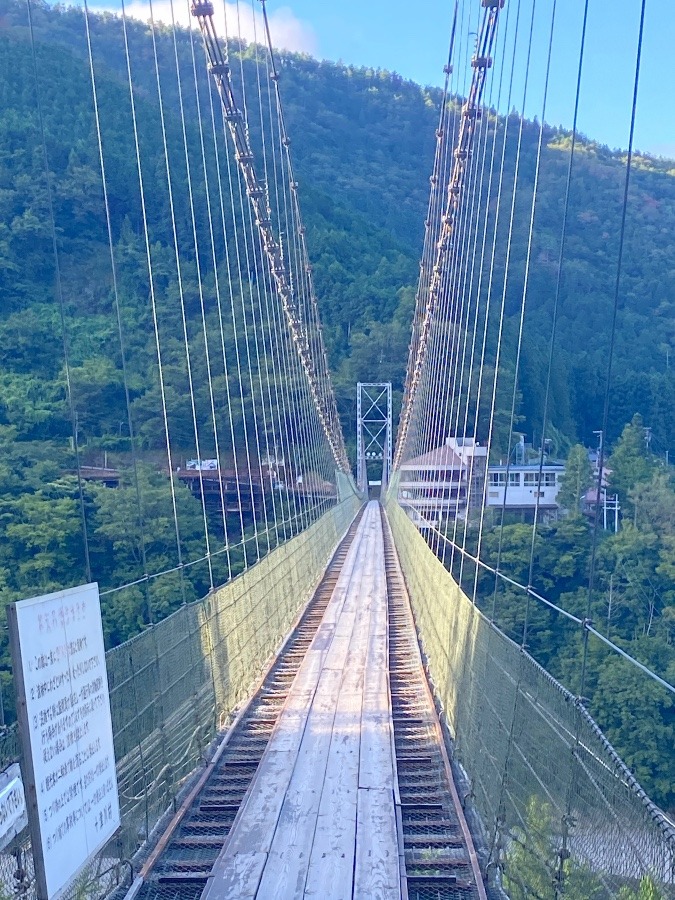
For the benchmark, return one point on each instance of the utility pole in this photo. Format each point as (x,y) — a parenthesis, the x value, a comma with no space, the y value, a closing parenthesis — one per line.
(610,504)
(599,450)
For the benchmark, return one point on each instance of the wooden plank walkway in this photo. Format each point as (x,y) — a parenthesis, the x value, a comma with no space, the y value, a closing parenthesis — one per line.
(320,817)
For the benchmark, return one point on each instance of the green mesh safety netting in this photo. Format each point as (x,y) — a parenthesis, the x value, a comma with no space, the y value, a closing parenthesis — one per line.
(174,686)
(562,815)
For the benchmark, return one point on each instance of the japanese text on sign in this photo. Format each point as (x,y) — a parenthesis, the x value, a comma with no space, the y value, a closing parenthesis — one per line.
(12,805)
(67,717)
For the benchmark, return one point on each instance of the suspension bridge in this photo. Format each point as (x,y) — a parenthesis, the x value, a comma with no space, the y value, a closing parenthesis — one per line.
(331,705)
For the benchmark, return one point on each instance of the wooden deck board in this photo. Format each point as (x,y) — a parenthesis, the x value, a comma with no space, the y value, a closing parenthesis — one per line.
(376,873)
(254,827)
(376,769)
(331,868)
(288,859)
(319,818)
(239,879)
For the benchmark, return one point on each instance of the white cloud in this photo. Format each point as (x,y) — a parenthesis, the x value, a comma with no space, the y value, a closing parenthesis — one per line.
(292,33)
(665,150)
(237,20)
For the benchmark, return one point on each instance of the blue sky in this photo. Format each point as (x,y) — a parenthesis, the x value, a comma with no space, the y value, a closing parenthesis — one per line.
(411,37)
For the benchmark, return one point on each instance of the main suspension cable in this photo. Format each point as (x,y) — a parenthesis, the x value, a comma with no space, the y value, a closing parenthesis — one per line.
(220,70)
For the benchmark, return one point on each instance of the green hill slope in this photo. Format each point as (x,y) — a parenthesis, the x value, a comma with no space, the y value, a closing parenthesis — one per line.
(363,144)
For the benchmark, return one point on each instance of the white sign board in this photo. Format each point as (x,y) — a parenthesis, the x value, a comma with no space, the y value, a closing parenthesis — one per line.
(13,816)
(205,465)
(66,730)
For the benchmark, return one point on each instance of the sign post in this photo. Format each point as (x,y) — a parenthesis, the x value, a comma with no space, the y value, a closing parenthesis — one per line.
(63,709)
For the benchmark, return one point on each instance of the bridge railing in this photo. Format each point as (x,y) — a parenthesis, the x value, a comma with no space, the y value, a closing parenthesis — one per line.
(173,687)
(562,816)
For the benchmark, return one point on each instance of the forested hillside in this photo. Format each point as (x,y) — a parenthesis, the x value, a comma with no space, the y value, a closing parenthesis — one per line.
(363,145)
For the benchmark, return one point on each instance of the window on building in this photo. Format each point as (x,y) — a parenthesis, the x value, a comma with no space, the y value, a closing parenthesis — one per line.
(497,479)
(530,479)
(549,479)
(514,479)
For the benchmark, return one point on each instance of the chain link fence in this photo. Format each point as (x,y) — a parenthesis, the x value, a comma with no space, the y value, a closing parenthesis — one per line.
(175,686)
(562,815)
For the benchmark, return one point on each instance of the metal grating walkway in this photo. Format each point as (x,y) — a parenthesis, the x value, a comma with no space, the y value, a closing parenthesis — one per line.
(334,781)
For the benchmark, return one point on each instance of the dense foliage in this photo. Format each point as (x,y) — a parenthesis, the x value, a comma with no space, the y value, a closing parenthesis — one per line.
(363,143)
(632,603)
(535,866)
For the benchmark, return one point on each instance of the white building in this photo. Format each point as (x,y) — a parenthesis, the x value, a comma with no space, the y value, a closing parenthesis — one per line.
(521,487)
(474,459)
(433,487)
(449,482)
(444,483)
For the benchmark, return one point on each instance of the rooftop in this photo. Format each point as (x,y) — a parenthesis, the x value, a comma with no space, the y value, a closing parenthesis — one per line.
(527,467)
(440,458)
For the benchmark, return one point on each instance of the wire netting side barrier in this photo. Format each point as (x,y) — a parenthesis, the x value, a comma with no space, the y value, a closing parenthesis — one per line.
(173,687)
(563,816)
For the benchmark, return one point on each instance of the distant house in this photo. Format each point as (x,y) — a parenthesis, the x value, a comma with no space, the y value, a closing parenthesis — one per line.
(226,489)
(433,487)
(522,487)
(608,513)
(449,482)
(102,474)
(312,486)
(444,483)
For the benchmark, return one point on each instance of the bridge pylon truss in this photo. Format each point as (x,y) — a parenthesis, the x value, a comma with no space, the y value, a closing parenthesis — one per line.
(374,438)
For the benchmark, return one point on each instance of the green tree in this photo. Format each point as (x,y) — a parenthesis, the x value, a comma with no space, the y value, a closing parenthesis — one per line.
(121,536)
(638,716)
(575,481)
(534,865)
(629,463)
(627,563)
(647,890)
(654,504)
